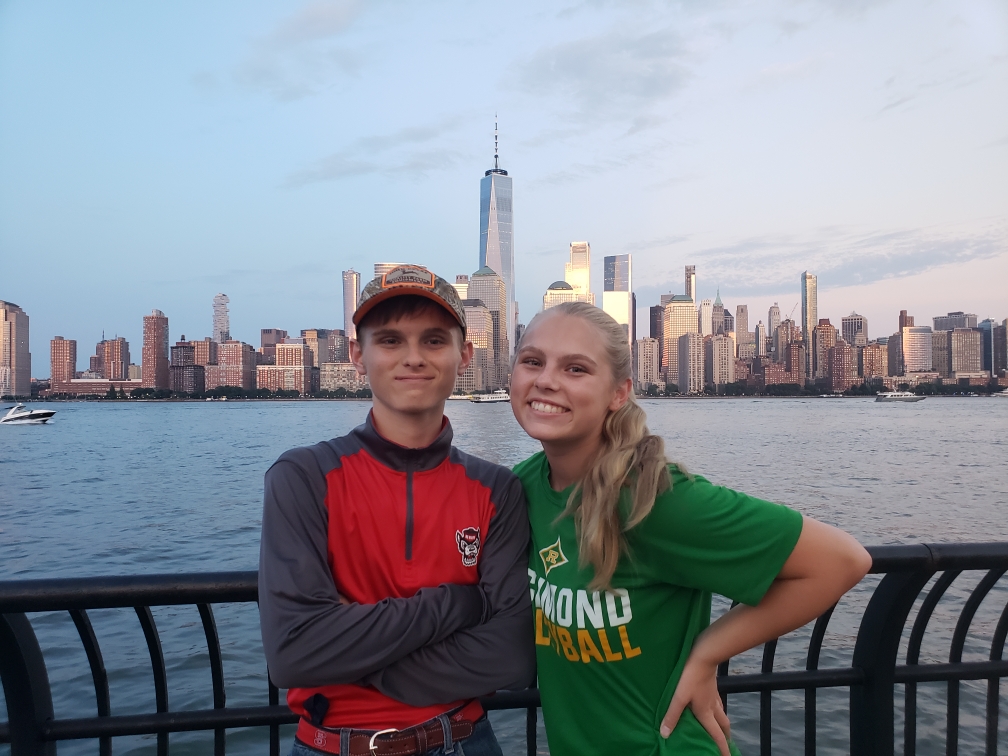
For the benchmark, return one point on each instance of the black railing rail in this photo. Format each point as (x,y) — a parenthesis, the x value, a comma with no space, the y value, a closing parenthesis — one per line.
(874,672)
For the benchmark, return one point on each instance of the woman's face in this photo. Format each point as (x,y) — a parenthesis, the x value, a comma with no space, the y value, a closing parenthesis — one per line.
(562,387)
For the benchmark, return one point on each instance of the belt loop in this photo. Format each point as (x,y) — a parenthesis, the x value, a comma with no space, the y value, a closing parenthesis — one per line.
(449,745)
(421,733)
(344,741)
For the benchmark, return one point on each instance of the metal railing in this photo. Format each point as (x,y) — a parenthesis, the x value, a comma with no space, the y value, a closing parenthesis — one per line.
(33,730)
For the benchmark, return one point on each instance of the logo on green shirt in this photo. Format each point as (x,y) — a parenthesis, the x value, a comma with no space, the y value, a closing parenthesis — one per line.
(552,556)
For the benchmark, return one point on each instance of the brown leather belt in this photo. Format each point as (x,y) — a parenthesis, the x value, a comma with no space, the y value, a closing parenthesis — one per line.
(412,741)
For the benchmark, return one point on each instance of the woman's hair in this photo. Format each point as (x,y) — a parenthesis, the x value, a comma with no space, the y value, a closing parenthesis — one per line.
(630,457)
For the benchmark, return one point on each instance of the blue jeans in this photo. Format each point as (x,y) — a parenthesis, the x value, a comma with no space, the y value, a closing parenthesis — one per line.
(482,742)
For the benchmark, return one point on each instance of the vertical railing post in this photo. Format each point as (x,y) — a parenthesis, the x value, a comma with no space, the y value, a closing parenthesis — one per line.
(26,686)
(871,704)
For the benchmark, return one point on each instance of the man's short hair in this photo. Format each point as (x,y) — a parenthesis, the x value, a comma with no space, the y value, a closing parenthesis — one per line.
(397,308)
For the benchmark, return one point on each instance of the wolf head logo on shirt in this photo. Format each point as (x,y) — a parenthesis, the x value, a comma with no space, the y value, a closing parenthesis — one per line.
(468,541)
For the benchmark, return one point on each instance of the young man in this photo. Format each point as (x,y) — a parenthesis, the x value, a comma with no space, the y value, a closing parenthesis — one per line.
(392,571)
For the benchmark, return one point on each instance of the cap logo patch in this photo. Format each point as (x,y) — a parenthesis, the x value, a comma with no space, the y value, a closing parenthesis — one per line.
(408,275)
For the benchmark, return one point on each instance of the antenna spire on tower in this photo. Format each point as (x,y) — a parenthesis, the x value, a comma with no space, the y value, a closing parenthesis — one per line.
(496,164)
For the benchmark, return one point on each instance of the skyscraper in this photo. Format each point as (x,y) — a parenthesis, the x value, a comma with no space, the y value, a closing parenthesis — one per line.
(15,359)
(809,317)
(558,293)
(351,294)
(380,269)
(955,320)
(774,319)
(706,316)
(462,286)
(154,363)
(646,365)
(690,352)
(221,321)
(691,282)
(824,337)
(761,340)
(851,324)
(657,315)
(680,318)
(916,348)
(719,360)
(577,272)
(487,286)
(717,316)
(62,363)
(617,292)
(742,324)
(496,240)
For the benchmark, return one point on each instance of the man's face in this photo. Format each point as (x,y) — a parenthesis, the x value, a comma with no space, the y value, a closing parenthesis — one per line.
(412,363)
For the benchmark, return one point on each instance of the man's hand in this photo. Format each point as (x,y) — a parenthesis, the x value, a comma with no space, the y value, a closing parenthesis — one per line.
(697,689)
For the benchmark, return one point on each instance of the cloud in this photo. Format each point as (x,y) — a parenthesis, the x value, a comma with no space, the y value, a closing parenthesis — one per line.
(298,57)
(407,152)
(616,74)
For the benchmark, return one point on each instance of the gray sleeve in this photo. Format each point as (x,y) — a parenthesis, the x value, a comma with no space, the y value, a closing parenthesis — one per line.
(496,655)
(309,637)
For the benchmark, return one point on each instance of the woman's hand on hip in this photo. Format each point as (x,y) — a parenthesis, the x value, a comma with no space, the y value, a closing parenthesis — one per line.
(697,689)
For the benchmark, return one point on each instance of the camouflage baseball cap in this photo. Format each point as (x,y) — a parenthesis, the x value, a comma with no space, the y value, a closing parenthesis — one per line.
(413,280)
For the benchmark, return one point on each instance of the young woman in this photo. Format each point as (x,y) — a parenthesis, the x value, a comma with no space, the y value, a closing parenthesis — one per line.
(627,550)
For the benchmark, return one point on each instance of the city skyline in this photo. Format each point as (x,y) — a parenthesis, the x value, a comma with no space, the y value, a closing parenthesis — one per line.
(873,153)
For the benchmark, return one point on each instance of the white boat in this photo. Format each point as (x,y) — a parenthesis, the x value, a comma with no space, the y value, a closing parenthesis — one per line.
(21,416)
(897,396)
(500,395)
(458,397)
(1002,394)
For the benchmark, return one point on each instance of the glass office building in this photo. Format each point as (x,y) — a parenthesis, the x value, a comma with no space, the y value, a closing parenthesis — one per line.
(496,246)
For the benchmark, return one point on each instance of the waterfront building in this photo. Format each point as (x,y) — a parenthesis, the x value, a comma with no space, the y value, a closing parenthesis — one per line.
(810,318)
(680,319)
(236,366)
(743,370)
(577,271)
(657,323)
(727,322)
(488,287)
(135,372)
(964,352)
(761,340)
(705,315)
(351,296)
(497,240)
(775,373)
(690,289)
(894,354)
(114,358)
(221,319)
(842,364)
(462,286)
(286,378)
(742,334)
(874,361)
(717,316)
(618,299)
(341,375)
(794,355)
(747,351)
(954,320)
(319,342)
(268,339)
(558,293)
(782,336)
(15,359)
(381,268)
(993,346)
(719,359)
(824,338)
(773,321)
(851,325)
(690,373)
(186,377)
(481,373)
(646,364)
(154,356)
(62,363)
(205,351)
(915,344)
(95,364)
(941,353)
(905,321)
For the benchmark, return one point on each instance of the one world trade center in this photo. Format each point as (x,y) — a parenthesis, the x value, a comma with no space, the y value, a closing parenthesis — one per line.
(496,247)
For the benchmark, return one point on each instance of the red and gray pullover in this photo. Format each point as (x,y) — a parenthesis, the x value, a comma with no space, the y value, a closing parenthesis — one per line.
(429,546)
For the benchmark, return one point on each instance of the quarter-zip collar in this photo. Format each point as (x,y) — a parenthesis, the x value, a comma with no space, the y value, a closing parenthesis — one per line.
(401,458)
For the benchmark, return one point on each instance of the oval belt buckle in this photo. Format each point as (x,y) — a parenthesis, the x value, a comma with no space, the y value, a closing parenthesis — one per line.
(371,744)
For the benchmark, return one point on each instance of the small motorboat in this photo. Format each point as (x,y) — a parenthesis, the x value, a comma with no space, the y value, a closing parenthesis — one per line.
(18,414)
(898,396)
(500,395)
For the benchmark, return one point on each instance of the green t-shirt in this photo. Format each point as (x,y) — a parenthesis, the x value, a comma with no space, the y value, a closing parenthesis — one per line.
(609,661)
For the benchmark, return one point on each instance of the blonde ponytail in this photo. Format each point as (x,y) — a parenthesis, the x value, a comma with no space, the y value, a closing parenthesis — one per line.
(630,457)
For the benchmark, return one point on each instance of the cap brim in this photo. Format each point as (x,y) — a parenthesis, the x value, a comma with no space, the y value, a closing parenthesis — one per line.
(403,291)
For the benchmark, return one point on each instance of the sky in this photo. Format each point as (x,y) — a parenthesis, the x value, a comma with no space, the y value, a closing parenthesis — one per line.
(155,154)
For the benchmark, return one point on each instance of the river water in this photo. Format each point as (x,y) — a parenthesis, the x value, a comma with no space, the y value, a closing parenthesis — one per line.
(133,488)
